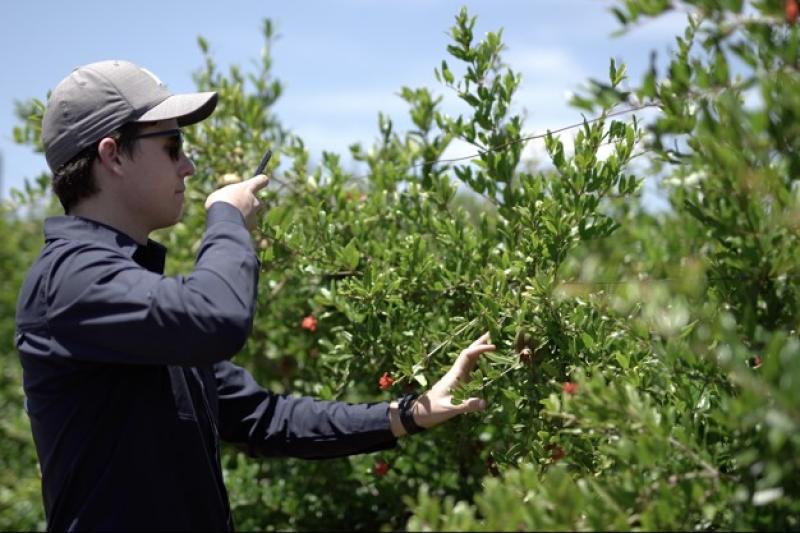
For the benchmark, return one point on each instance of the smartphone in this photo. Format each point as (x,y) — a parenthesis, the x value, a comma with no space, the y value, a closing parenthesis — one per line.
(263,164)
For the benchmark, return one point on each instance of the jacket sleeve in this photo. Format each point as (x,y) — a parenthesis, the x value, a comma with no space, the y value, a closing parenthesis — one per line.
(273,425)
(104,307)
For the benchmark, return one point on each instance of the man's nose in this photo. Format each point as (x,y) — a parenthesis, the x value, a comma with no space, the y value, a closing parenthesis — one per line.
(186,167)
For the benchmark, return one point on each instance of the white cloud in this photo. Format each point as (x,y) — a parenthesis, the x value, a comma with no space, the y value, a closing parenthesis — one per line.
(546,63)
(549,74)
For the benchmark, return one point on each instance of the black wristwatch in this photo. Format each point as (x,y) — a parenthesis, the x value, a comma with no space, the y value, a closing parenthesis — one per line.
(406,408)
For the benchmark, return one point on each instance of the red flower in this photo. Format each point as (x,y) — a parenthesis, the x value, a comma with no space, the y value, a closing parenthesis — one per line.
(570,387)
(790,8)
(381,468)
(385,381)
(309,323)
(557,452)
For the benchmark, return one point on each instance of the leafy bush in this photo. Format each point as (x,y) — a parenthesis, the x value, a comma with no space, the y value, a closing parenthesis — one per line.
(20,490)
(646,370)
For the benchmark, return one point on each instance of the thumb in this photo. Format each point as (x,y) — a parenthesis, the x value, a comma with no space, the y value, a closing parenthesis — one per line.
(256,183)
(472,405)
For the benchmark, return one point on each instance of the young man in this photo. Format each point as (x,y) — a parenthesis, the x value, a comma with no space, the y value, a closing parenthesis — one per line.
(127,373)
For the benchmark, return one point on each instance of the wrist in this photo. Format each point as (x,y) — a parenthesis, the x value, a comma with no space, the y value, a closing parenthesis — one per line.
(402,420)
(394,420)
(406,407)
(223,211)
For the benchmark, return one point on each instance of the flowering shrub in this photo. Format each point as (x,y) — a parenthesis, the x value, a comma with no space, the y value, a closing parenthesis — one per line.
(647,365)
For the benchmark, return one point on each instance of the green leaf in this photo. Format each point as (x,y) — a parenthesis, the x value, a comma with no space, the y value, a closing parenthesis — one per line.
(588,341)
(446,74)
(612,71)
(203,44)
(350,255)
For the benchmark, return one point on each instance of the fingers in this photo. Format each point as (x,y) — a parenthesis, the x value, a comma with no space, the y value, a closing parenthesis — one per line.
(469,356)
(483,339)
(465,362)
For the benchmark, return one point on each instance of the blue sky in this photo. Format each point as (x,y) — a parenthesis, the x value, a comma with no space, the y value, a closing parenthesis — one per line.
(341,61)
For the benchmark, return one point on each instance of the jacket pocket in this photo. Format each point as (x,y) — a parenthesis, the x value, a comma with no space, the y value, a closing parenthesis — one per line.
(180,392)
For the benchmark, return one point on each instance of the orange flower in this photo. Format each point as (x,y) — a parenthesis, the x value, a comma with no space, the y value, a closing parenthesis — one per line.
(790,8)
(381,468)
(309,323)
(385,381)
(557,452)
(570,387)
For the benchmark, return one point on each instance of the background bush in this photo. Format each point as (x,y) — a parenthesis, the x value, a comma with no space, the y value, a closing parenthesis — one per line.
(647,364)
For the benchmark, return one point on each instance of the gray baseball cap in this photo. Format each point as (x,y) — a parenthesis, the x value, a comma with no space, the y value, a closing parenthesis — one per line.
(98,98)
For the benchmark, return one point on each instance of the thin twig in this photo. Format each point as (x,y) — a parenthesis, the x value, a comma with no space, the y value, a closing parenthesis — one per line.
(450,339)
(710,469)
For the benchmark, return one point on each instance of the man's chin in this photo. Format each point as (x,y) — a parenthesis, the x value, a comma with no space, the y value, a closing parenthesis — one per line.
(169,223)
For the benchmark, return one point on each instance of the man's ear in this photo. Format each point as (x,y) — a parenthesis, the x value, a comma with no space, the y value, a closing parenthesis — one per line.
(109,155)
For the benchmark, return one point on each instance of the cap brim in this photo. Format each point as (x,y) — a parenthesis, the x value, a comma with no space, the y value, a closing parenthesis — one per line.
(187,108)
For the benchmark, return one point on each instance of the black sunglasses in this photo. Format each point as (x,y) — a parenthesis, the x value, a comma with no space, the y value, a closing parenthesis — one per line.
(174,149)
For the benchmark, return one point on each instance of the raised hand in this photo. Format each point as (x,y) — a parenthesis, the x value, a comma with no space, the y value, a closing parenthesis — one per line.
(242,196)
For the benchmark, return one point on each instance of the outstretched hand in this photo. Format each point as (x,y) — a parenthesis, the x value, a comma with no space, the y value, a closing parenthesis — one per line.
(436,405)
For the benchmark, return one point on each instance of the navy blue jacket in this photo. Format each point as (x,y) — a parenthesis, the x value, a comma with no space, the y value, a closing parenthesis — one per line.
(129,388)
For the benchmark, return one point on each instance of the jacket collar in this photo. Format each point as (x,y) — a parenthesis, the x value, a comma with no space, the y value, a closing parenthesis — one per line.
(151,256)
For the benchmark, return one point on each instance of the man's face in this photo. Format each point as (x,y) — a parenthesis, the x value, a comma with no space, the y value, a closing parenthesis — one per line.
(153,186)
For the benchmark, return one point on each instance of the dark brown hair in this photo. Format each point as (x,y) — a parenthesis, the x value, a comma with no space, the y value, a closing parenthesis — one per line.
(73,181)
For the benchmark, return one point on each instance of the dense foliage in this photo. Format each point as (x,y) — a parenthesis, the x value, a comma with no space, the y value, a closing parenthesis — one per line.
(647,369)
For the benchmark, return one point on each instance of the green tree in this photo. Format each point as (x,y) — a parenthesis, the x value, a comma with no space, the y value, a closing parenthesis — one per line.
(646,368)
